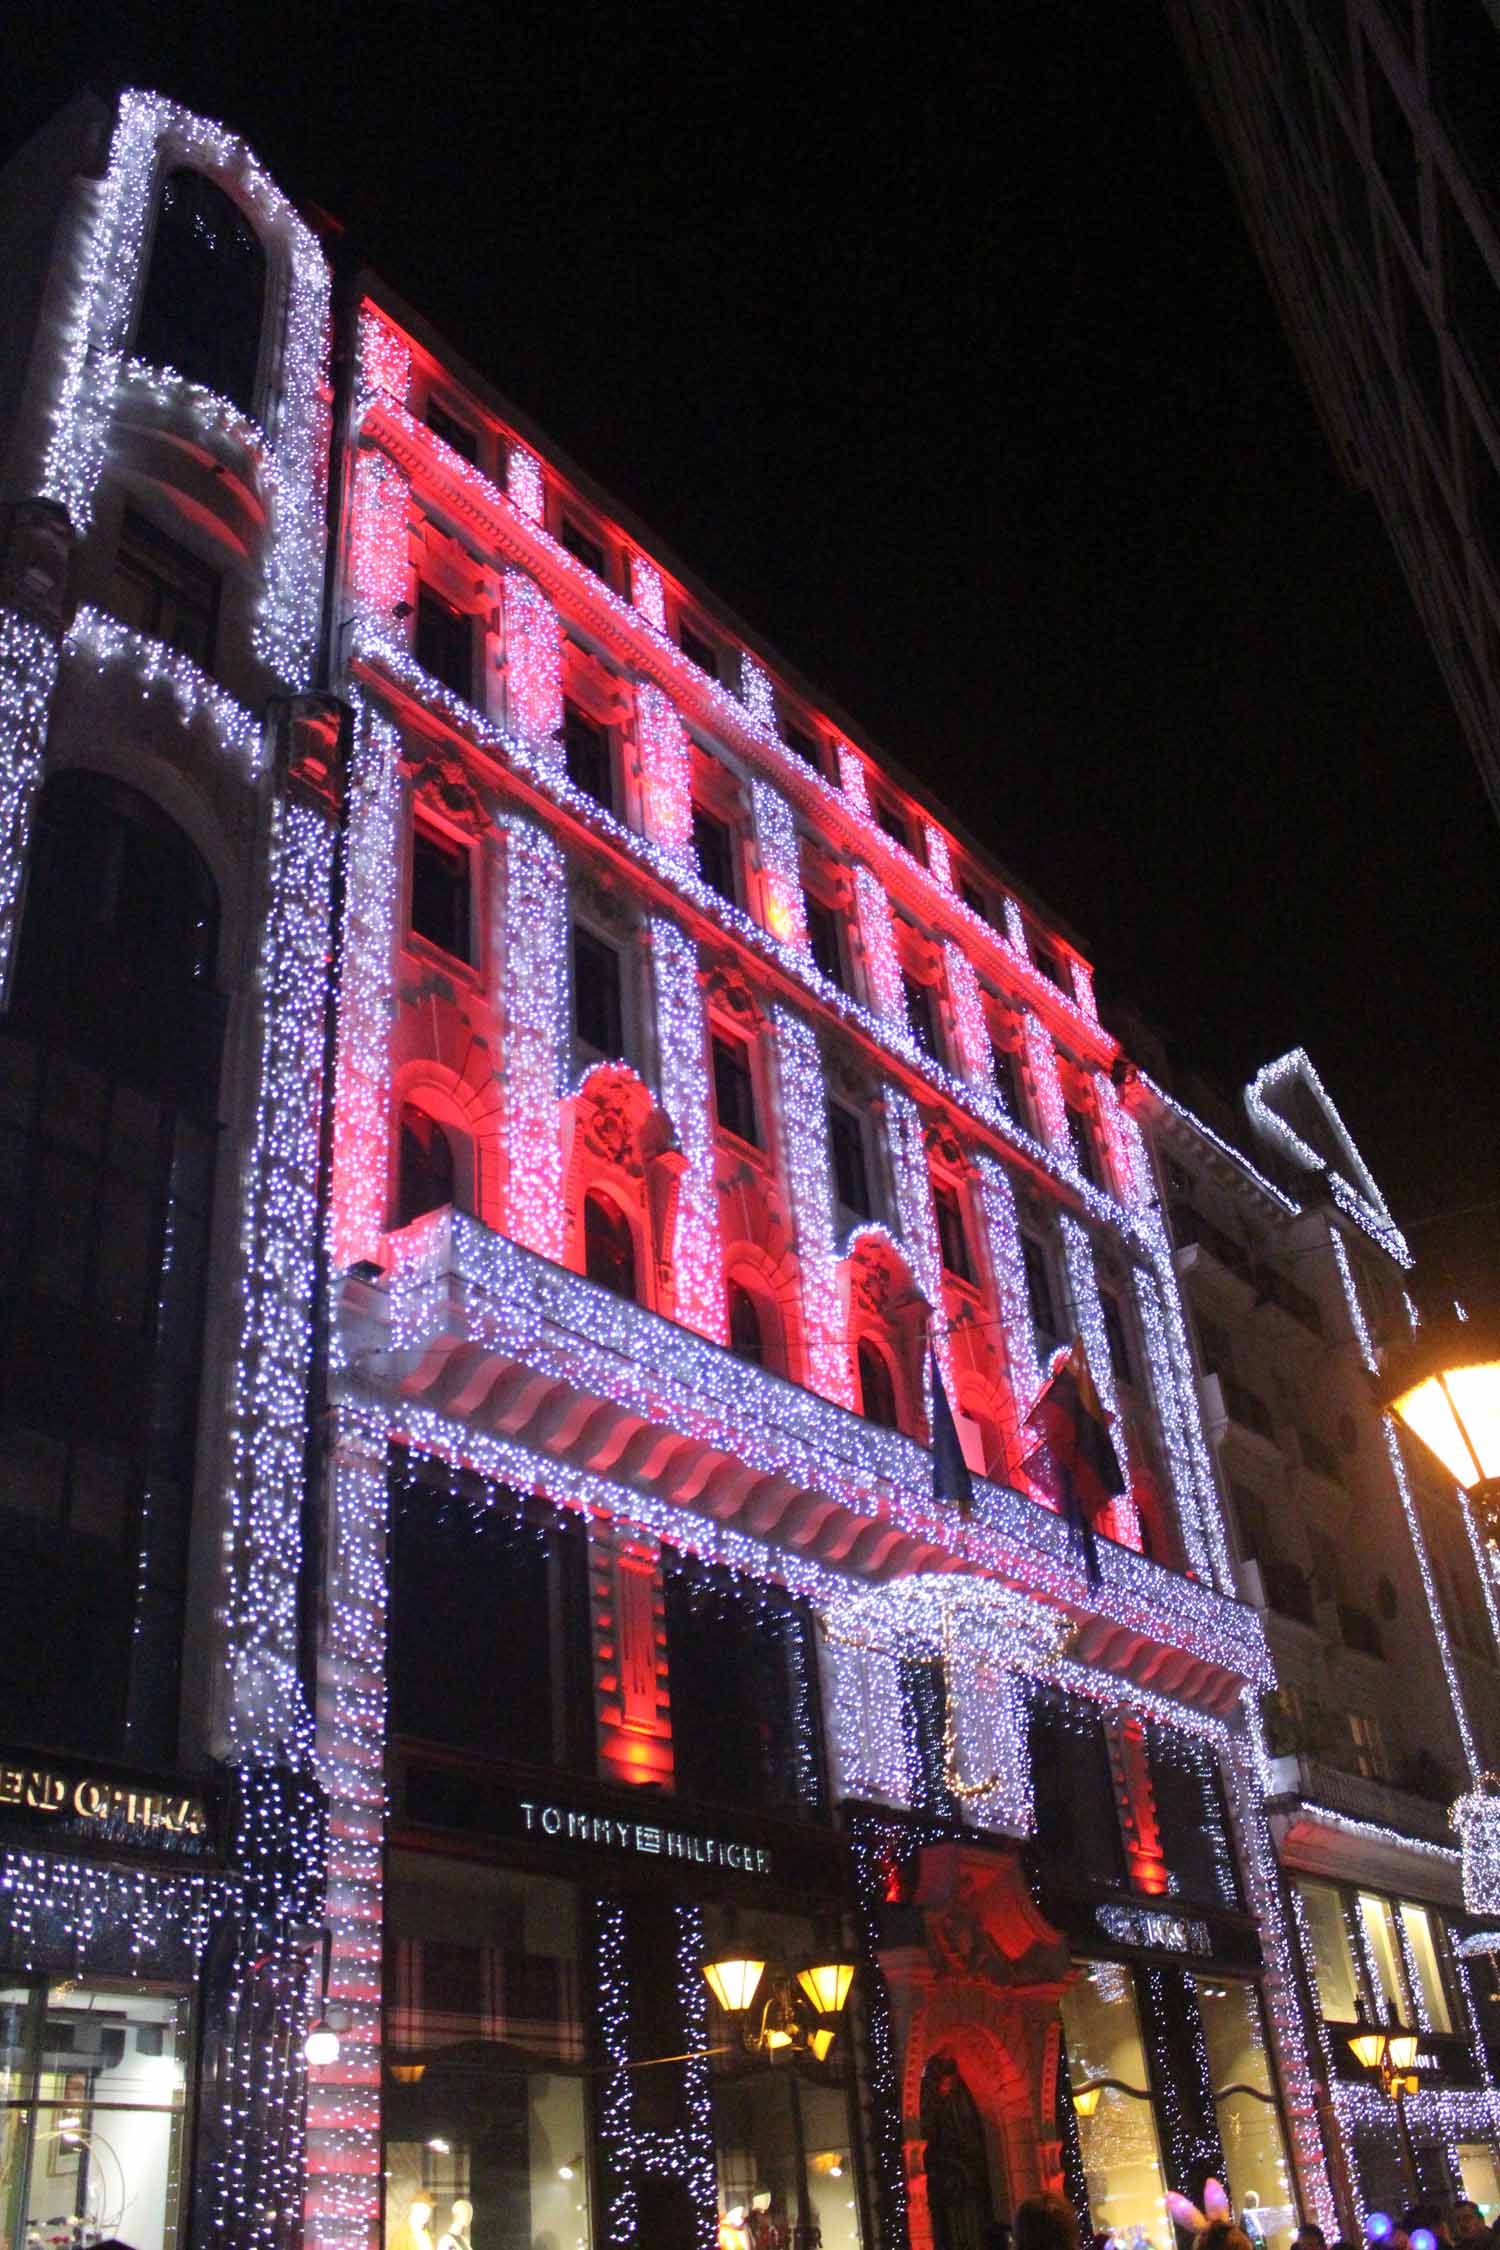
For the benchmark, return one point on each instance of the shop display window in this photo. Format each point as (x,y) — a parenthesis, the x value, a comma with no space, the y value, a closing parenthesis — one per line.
(1383,1949)
(1423,1940)
(93,2081)
(486,2101)
(1111,2090)
(1333,1955)
(1480,2174)
(1256,2171)
(782,2125)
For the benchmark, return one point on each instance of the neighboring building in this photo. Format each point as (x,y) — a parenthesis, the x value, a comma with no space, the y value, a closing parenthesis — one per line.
(1361,139)
(509,1091)
(1378,1603)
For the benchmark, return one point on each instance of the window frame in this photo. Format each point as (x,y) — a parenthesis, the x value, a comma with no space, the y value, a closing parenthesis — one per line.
(166,567)
(707,821)
(840,1113)
(696,641)
(737,1055)
(584,931)
(457,620)
(447,422)
(459,851)
(948,1197)
(577,715)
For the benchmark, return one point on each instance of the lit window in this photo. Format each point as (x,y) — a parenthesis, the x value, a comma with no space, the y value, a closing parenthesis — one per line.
(440,892)
(1423,1937)
(1244,2096)
(1117,2133)
(1378,1920)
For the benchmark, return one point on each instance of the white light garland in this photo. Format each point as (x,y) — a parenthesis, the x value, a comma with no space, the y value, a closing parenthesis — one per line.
(238,733)
(647,592)
(919,1234)
(533,663)
(28,674)
(379,543)
(666,773)
(809,1170)
(697,1253)
(1360,1198)
(1078,1256)
(975,1053)
(877,937)
(526,485)
(779,849)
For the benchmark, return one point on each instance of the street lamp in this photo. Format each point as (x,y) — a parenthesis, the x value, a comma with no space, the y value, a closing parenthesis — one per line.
(1445,1388)
(808,2025)
(1392,2052)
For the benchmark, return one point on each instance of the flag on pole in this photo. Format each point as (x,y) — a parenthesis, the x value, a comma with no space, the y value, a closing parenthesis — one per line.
(1074,1460)
(950,1471)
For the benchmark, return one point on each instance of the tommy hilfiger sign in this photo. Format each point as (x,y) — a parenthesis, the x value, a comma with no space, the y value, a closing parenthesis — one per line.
(571,1824)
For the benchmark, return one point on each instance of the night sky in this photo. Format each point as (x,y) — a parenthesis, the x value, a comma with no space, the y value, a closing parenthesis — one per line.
(938,352)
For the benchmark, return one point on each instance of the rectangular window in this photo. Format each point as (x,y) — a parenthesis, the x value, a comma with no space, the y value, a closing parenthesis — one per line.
(851,1179)
(1249,2117)
(713,841)
(1008,1080)
(951,1234)
(1333,1952)
(1117,2136)
(455,434)
(163,591)
(1423,1934)
(973,898)
(1377,1919)
(825,940)
(921,1014)
(1075,1793)
(483,1985)
(697,648)
(440,892)
(892,820)
(1117,1331)
(586,751)
(1192,1816)
(445,643)
(598,994)
(1049,961)
(584,547)
(801,743)
(1086,1141)
(1046,1317)
(737,1662)
(734,1089)
(94,2078)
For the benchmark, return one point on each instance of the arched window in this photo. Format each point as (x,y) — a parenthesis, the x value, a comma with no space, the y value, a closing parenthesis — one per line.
(110,1060)
(608,1246)
(427,1177)
(205,290)
(747,1336)
(877,1392)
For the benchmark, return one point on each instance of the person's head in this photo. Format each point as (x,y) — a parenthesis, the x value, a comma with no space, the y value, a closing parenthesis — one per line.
(1222,2234)
(1429,2217)
(1468,2221)
(1310,2237)
(1045,2222)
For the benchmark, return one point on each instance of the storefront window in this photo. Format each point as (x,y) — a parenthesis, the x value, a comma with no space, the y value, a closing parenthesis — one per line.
(1333,1956)
(782,2128)
(1112,2100)
(1422,1939)
(1255,2164)
(486,2095)
(94,2080)
(1378,1920)
(1480,2174)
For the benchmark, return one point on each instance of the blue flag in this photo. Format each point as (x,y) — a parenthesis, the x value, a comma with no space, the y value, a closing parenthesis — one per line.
(950,1471)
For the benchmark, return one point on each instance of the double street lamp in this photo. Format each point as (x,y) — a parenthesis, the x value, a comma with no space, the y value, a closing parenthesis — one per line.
(1392,2052)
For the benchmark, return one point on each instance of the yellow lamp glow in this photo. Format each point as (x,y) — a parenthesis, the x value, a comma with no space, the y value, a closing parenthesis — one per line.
(827,1985)
(1446,1389)
(1403,2049)
(1087,2100)
(734,1983)
(1367,2047)
(820,2039)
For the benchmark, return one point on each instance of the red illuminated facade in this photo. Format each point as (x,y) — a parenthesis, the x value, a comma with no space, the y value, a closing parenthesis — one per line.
(631,1097)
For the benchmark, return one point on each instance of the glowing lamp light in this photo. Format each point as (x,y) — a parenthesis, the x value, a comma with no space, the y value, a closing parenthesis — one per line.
(827,1985)
(1403,2049)
(1368,2047)
(734,1983)
(408,2073)
(1086,2101)
(321,2046)
(819,2040)
(1446,1390)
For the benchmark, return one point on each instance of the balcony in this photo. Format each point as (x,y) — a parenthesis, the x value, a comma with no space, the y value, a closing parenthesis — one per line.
(1360,1630)
(1358,1797)
(1203,1247)
(1229,1404)
(472,1342)
(1284,1309)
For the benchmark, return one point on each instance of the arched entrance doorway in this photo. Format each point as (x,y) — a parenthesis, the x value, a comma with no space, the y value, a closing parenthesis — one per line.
(960,2196)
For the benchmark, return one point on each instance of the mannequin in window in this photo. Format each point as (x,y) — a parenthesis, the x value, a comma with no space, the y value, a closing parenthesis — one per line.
(608,1247)
(427,1176)
(456,2236)
(419,2223)
(877,1392)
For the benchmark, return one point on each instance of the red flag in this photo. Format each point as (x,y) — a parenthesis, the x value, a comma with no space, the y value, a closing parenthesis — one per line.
(1074,1459)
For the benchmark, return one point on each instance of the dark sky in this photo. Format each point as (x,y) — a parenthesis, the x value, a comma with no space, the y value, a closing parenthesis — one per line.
(939,351)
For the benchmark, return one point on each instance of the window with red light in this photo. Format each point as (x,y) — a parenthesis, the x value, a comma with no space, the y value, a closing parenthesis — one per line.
(952,1234)
(734,1088)
(440,886)
(609,1246)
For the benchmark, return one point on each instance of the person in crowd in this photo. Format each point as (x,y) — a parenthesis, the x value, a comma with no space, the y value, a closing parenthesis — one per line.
(1467,2223)
(1045,2222)
(1310,2237)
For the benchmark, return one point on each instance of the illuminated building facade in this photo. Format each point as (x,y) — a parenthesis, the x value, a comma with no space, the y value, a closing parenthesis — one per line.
(1379,1608)
(1360,137)
(615,1091)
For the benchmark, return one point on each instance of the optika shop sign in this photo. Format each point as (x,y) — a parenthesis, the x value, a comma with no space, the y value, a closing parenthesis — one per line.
(569,1824)
(91,1804)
